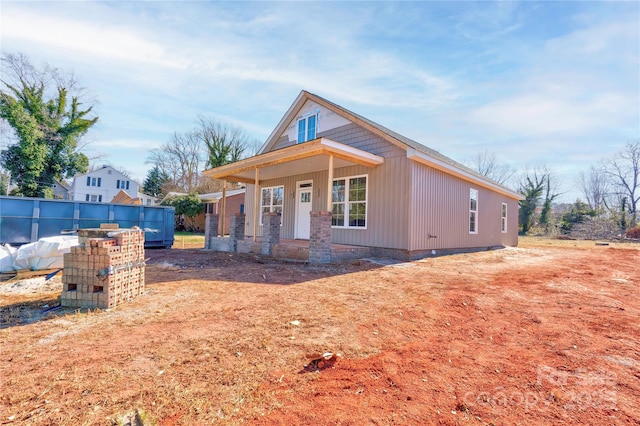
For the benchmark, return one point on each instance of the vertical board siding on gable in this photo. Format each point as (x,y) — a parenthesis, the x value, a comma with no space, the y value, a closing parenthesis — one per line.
(441,208)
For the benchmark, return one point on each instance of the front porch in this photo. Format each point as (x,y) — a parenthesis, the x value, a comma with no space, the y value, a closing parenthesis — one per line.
(298,250)
(309,216)
(318,249)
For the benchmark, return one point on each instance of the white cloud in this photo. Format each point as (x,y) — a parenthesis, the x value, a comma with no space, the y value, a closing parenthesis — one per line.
(90,38)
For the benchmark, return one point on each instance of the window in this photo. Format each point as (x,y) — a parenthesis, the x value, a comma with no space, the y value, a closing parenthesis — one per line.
(271,201)
(307,128)
(349,196)
(503,218)
(87,197)
(100,198)
(94,198)
(473,211)
(122,184)
(93,181)
(99,181)
(88,181)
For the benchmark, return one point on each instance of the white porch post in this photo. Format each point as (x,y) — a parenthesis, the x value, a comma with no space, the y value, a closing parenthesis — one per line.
(224,204)
(330,185)
(256,205)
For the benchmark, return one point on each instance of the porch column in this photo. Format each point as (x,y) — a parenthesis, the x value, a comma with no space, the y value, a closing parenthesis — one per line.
(270,232)
(256,204)
(320,241)
(224,206)
(210,229)
(330,185)
(236,230)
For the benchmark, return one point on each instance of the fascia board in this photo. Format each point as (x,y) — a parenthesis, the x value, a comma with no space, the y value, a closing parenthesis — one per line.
(422,158)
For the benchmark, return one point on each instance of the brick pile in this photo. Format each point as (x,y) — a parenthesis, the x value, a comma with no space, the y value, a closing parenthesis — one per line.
(103,272)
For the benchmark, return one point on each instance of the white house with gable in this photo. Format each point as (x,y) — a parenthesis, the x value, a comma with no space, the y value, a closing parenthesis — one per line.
(102,184)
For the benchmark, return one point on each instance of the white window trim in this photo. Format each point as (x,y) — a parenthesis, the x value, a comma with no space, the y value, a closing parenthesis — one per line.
(503,217)
(471,191)
(346,203)
(271,205)
(306,126)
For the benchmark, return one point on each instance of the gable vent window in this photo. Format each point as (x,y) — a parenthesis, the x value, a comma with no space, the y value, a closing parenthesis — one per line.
(307,128)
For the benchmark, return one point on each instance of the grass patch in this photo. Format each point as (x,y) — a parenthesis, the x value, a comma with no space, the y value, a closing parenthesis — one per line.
(188,240)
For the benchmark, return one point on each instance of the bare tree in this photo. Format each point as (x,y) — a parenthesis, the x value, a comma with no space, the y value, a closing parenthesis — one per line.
(595,186)
(624,171)
(182,159)
(487,165)
(211,144)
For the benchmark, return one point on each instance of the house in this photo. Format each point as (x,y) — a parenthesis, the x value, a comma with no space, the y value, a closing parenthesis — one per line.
(213,206)
(61,191)
(331,176)
(103,185)
(233,204)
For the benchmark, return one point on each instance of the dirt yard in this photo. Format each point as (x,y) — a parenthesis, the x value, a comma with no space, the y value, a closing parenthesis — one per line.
(543,334)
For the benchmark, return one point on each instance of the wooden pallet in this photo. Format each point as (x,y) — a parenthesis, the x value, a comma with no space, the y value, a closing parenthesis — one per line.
(23,274)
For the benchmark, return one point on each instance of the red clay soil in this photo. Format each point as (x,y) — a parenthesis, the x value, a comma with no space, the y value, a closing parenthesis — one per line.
(533,335)
(553,342)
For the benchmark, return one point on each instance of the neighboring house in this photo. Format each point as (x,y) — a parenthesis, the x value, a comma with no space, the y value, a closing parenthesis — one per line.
(61,191)
(103,184)
(234,204)
(384,191)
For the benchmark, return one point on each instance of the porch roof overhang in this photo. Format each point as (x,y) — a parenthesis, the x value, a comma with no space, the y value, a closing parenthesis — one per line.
(311,156)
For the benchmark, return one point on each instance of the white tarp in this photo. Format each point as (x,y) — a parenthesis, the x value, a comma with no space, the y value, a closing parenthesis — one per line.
(46,253)
(7,257)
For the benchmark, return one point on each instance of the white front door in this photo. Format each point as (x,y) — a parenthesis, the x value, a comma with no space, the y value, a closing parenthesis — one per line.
(303,213)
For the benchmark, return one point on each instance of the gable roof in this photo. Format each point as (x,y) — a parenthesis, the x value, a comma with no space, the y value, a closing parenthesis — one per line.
(415,150)
(62,185)
(101,168)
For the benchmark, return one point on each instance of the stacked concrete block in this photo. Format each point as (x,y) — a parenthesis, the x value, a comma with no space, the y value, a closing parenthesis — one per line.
(103,272)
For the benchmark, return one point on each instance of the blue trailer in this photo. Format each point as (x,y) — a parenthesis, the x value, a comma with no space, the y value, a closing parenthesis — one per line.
(25,220)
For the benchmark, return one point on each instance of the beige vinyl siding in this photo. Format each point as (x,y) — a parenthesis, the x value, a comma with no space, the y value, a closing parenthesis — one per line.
(387,199)
(288,202)
(441,209)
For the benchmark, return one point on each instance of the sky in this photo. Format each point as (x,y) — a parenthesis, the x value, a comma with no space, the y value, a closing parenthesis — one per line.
(554,83)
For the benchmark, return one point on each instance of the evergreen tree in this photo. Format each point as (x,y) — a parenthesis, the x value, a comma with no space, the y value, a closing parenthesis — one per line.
(154,182)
